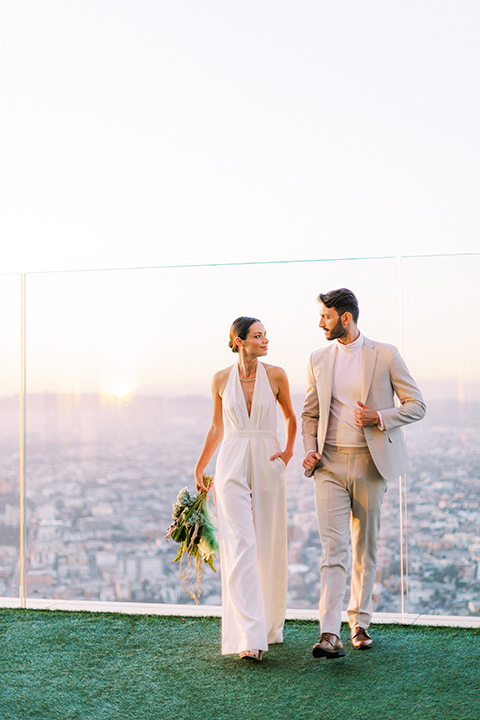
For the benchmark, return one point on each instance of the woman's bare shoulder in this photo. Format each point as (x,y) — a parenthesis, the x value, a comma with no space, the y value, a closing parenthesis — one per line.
(277,377)
(220,379)
(274,371)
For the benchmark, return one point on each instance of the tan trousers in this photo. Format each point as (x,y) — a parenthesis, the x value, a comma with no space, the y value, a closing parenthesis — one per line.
(348,497)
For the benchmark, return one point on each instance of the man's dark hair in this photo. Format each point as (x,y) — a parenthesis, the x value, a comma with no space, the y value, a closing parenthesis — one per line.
(342,301)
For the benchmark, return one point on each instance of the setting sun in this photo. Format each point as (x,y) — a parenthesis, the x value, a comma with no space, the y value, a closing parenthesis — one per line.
(121,388)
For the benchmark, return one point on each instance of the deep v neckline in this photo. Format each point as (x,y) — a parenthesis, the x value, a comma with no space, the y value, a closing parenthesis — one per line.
(254,395)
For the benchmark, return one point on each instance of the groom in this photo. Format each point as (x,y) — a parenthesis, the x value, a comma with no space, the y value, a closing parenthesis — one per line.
(353,440)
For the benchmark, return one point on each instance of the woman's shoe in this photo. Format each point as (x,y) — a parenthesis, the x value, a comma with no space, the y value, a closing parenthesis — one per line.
(253,655)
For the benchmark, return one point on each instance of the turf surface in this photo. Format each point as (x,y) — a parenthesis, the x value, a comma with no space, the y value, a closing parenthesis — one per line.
(93,666)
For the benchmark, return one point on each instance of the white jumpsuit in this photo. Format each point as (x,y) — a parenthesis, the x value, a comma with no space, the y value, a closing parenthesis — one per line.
(251,509)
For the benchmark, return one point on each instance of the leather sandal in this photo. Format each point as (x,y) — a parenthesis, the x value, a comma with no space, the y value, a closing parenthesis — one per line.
(253,655)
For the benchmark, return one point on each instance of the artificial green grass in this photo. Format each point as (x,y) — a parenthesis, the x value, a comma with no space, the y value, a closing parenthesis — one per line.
(93,666)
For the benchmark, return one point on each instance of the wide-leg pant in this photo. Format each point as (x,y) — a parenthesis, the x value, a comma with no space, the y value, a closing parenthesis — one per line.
(251,512)
(348,497)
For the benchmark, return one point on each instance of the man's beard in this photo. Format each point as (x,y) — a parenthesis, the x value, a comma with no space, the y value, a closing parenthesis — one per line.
(338,332)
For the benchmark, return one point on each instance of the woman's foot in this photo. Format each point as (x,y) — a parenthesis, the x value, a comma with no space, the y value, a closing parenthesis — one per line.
(253,655)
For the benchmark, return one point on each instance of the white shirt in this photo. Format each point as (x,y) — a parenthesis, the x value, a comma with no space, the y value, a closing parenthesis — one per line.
(346,391)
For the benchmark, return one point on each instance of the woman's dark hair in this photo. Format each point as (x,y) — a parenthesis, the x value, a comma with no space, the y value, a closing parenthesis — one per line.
(342,301)
(240,328)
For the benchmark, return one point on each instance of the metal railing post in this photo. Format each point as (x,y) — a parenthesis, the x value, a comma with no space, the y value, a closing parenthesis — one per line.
(402,479)
(23,530)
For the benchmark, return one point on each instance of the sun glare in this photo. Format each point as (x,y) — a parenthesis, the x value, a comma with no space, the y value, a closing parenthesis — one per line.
(121,389)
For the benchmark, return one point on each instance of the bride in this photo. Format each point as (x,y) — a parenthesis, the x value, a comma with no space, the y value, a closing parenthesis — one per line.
(250,491)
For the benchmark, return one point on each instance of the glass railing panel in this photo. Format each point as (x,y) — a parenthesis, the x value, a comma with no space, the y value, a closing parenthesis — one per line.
(441,296)
(118,375)
(10,329)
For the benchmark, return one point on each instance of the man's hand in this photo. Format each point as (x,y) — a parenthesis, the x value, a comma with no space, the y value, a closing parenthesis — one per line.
(310,460)
(365,416)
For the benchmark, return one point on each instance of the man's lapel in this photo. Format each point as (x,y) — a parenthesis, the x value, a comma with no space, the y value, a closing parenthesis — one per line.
(326,379)
(369,358)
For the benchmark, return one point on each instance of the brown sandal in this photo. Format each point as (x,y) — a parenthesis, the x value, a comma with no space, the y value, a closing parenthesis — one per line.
(253,655)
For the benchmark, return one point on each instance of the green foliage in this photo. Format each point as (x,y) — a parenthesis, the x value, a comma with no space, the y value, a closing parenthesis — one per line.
(195,532)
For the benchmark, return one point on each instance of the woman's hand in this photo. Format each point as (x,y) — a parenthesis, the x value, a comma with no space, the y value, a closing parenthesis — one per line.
(284,456)
(199,483)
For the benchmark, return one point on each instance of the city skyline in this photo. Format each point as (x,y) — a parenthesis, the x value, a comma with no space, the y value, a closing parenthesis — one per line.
(101,481)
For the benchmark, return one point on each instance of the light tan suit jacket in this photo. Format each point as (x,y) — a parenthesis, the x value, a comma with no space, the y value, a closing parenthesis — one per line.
(384,376)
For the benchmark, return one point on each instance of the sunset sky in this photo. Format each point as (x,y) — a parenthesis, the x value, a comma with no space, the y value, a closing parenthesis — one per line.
(141,134)
(165,331)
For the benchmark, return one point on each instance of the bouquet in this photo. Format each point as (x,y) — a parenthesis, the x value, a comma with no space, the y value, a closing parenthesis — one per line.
(194,530)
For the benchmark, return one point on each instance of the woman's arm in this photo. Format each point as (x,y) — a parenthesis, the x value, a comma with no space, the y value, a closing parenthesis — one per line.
(280,381)
(213,436)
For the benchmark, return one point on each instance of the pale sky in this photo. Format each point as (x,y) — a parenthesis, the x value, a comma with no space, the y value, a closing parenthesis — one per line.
(148,133)
(142,134)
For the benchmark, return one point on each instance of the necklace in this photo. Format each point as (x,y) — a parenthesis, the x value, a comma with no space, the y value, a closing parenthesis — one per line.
(251,379)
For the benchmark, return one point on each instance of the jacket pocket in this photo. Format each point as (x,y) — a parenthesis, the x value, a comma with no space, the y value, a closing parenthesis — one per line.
(395,435)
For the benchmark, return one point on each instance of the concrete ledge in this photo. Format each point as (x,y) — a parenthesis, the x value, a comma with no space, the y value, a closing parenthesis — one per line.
(216,611)
(116,607)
